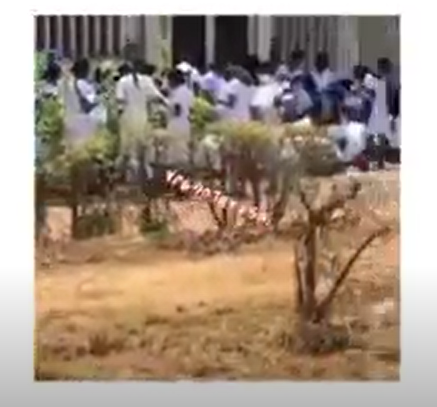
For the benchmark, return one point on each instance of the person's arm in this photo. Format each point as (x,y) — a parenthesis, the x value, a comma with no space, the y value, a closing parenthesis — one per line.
(231,98)
(153,92)
(120,95)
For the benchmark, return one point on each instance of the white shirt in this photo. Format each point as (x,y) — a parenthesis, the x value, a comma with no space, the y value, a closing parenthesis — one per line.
(323,79)
(79,125)
(243,95)
(184,97)
(264,95)
(211,82)
(136,96)
(379,121)
(71,98)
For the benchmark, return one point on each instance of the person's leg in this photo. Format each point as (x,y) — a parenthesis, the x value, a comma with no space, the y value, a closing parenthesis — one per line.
(381,150)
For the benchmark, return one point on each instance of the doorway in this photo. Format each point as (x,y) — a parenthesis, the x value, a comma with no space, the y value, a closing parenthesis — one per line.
(188,41)
(231,41)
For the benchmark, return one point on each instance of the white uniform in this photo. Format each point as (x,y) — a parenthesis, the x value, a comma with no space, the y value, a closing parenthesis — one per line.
(379,122)
(354,135)
(179,126)
(323,79)
(134,119)
(80,125)
(243,97)
(264,97)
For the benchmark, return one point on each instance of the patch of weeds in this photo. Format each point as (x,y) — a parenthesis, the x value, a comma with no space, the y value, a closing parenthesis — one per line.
(315,339)
(94,224)
(156,229)
(102,344)
(155,320)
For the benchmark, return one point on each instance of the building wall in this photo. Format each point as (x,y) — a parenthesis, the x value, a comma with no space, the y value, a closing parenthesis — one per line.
(309,33)
(379,37)
(86,35)
(348,39)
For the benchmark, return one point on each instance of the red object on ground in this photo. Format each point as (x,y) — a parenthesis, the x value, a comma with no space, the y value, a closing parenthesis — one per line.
(361,162)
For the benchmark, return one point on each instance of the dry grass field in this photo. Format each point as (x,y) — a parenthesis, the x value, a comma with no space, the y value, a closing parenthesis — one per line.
(117,309)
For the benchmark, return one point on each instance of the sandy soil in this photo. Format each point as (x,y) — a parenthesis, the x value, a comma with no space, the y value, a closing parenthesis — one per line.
(122,309)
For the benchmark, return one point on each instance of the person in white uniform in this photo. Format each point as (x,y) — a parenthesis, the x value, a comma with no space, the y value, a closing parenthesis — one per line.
(79,98)
(350,135)
(264,96)
(181,100)
(379,126)
(134,92)
(322,75)
(239,93)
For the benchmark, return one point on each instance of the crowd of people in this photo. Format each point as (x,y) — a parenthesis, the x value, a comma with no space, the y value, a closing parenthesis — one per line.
(361,110)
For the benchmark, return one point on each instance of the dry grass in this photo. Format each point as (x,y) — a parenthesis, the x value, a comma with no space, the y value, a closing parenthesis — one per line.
(134,312)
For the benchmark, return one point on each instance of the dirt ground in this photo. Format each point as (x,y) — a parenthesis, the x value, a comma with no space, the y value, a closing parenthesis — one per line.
(120,308)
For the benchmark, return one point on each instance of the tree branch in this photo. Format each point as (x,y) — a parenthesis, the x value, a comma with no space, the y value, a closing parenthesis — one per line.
(324,304)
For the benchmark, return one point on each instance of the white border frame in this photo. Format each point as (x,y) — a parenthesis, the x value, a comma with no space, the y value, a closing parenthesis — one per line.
(418,222)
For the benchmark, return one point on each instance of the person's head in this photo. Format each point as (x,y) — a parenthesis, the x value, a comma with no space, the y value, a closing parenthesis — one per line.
(122,70)
(136,68)
(149,69)
(251,62)
(229,72)
(264,72)
(81,68)
(384,66)
(243,75)
(52,73)
(175,78)
(322,61)
(297,58)
(359,73)
(213,68)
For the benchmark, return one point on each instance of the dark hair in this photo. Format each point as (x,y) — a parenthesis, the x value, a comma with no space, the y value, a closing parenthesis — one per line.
(98,75)
(136,68)
(81,68)
(52,72)
(359,72)
(322,60)
(124,69)
(213,67)
(175,77)
(265,67)
(384,65)
(149,69)
(297,55)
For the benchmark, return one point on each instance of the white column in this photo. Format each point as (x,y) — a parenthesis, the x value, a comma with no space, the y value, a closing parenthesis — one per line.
(252,35)
(97,34)
(131,32)
(46,32)
(72,21)
(143,36)
(166,39)
(264,37)
(210,39)
(86,36)
(348,47)
(152,39)
(59,33)
(109,35)
(121,34)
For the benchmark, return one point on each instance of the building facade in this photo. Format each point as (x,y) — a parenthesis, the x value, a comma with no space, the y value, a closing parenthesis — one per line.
(204,39)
